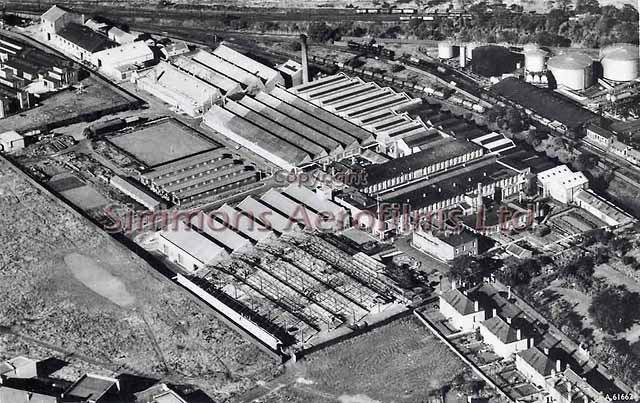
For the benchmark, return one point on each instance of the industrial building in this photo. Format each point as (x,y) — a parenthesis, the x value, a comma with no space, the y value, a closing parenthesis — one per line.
(67,32)
(354,99)
(119,62)
(198,176)
(286,130)
(440,156)
(572,70)
(543,104)
(137,193)
(25,71)
(287,290)
(561,183)
(269,77)
(11,141)
(461,187)
(292,73)
(620,62)
(380,110)
(226,85)
(181,90)
(445,245)
(188,247)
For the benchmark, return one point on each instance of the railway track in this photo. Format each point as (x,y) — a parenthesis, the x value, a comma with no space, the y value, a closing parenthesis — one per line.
(126,11)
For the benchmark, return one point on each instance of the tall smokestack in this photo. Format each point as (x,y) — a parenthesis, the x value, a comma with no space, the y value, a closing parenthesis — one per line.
(305,59)
(463,56)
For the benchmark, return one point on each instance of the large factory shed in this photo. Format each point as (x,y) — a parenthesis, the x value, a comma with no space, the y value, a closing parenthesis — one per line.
(198,176)
(227,85)
(353,98)
(290,289)
(437,157)
(289,134)
(179,89)
(187,246)
(496,181)
(270,77)
(544,102)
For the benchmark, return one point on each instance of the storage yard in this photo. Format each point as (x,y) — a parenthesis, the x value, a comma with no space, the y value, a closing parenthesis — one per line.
(96,98)
(146,326)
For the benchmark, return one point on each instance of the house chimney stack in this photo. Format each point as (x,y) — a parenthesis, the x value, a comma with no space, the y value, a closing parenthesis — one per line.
(508,320)
(518,334)
(509,292)
(558,366)
(494,313)
(476,306)
(546,351)
(305,59)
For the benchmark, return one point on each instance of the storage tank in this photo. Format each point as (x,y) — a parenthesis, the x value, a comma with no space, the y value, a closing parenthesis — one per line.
(492,61)
(469,49)
(572,70)
(620,62)
(535,60)
(445,50)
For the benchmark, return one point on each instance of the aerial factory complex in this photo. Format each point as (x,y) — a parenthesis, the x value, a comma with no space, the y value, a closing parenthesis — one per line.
(319,202)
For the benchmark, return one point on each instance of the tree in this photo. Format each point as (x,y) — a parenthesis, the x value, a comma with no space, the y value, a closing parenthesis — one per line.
(320,32)
(614,309)
(587,6)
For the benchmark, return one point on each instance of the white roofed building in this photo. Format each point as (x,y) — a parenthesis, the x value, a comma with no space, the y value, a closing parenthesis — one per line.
(118,63)
(270,77)
(11,141)
(561,183)
(182,91)
(120,36)
(188,247)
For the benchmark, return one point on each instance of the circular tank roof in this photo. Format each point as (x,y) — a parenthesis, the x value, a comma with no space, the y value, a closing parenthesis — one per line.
(620,51)
(535,52)
(570,61)
(529,47)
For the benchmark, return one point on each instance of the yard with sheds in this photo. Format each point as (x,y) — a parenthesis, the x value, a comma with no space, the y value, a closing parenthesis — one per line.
(162,142)
(400,362)
(132,320)
(95,99)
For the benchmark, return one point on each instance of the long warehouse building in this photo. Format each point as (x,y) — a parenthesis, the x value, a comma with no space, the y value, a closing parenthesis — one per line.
(286,130)
(198,176)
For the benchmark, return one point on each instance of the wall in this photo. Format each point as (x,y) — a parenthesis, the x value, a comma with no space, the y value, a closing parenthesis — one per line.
(177,255)
(249,326)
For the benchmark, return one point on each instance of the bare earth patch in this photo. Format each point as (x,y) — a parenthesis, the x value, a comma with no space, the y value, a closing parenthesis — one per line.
(99,280)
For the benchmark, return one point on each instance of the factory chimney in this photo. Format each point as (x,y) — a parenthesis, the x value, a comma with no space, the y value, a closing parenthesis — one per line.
(463,56)
(305,59)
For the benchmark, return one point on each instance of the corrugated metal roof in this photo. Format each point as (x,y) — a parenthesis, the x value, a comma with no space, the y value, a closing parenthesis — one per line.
(264,72)
(192,242)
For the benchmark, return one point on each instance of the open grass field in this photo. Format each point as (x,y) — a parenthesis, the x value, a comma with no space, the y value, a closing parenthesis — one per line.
(399,362)
(96,98)
(69,290)
(162,142)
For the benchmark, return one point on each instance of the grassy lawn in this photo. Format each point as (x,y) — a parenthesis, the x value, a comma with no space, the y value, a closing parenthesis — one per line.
(399,362)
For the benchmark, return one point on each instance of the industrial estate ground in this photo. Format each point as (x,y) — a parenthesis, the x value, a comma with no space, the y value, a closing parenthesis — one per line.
(351,326)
